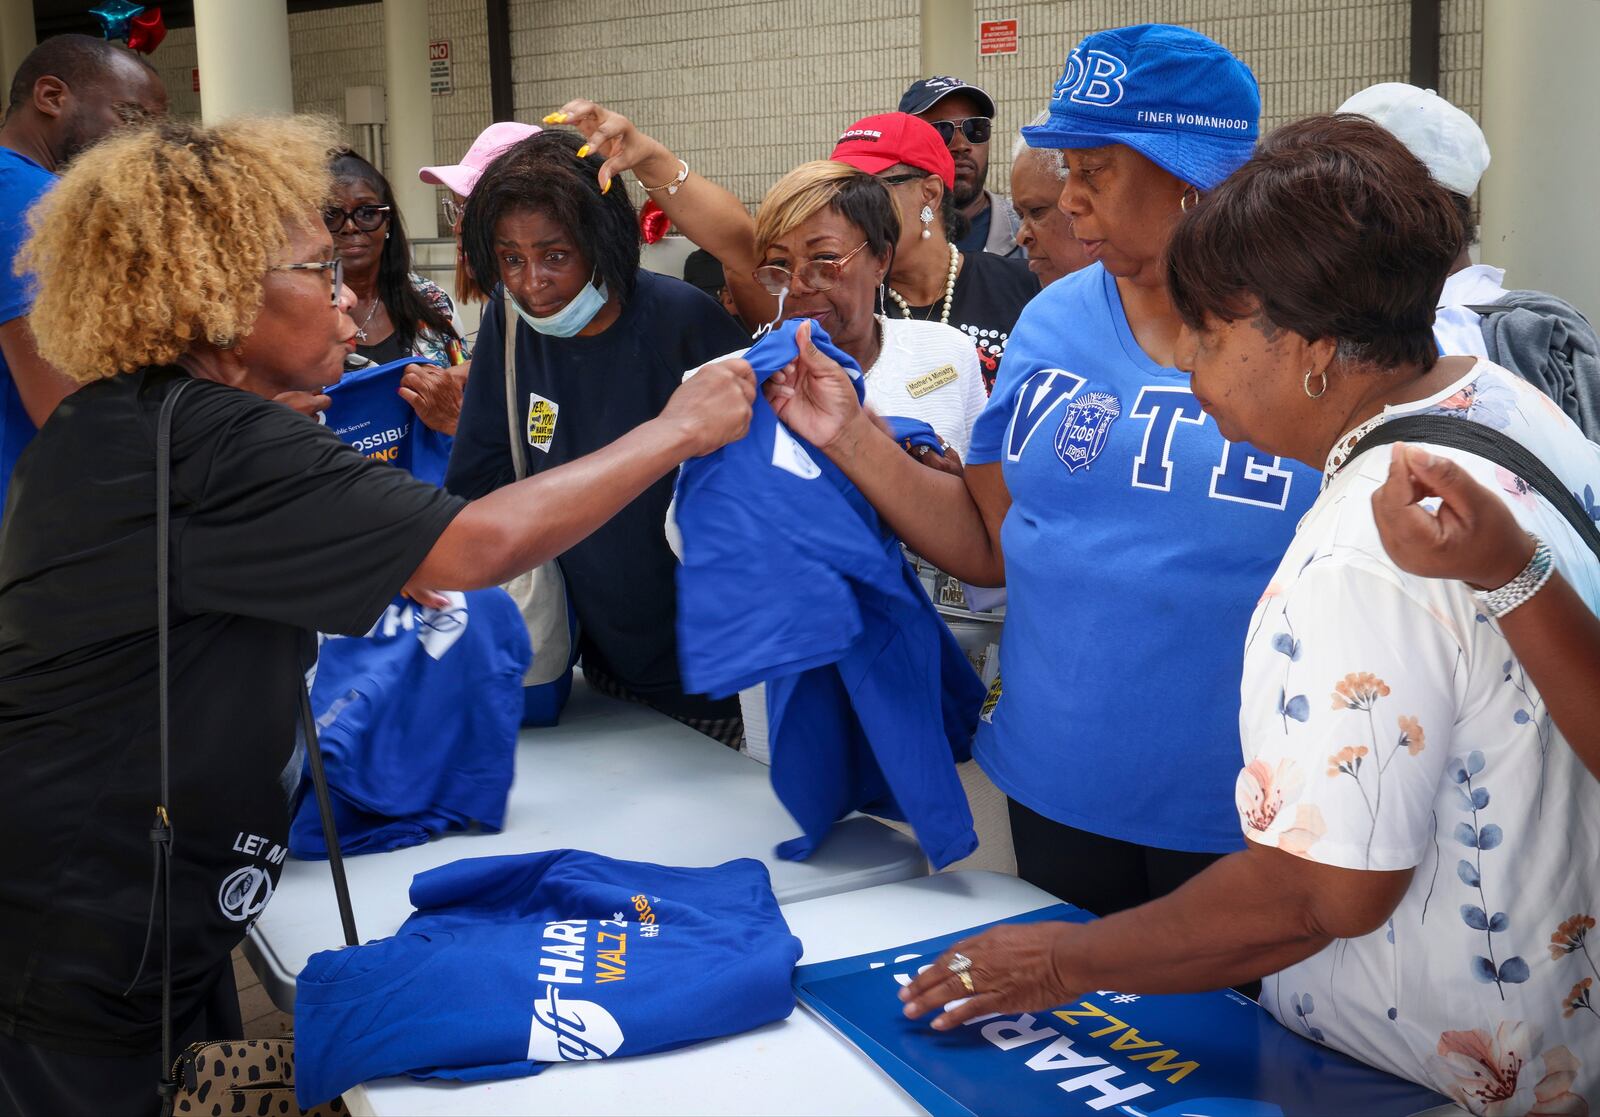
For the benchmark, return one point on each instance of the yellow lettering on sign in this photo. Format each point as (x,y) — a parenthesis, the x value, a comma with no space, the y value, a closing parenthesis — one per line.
(1163,1062)
(938,378)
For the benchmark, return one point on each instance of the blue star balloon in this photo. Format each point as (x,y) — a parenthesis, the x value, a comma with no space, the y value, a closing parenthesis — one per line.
(115,15)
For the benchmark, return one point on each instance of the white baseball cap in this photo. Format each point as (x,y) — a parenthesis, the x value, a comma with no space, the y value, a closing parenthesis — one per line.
(1446,139)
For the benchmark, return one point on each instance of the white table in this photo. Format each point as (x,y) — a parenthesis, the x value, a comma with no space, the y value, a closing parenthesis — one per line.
(796,1066)
(613,778)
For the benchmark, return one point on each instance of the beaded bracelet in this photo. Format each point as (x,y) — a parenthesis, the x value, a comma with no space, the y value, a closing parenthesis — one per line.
(1497,603)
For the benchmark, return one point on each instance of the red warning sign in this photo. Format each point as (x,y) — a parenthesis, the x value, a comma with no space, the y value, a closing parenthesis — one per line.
(997,36)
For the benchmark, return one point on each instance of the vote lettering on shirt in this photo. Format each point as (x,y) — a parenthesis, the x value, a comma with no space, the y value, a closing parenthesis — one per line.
(1137,544)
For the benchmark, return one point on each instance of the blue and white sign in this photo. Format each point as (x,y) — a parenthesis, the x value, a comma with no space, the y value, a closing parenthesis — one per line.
(1195,1055)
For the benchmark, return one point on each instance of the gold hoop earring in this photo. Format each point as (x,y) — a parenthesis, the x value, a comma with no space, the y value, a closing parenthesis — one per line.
(1306,384)
(1184,199)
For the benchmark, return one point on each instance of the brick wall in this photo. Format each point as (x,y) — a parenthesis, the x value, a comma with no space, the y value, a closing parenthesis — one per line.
(175,60)
(743,91)
(1308,56)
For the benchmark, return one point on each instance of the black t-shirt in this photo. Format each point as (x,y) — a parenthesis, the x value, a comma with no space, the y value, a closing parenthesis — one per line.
(278,530)
(574,396)
(382,352)
(989,296)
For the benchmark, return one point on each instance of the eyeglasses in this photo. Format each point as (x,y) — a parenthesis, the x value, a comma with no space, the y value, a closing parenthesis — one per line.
(897,180)
(452,211)
(819,275)
(976,128)
(366,218)
(335,265)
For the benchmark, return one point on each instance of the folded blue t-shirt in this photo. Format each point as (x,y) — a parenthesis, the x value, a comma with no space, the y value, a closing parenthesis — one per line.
(418,724)
(512,963)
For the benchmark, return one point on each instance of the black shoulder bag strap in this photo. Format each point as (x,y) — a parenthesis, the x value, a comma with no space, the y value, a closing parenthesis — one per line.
(1491,445)
(161,831)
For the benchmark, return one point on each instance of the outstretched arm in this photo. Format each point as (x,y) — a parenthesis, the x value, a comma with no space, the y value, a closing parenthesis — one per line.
(515,528)
(704,212)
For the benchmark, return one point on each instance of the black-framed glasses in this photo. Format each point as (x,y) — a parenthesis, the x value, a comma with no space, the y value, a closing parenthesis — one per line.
(977,129)
(819,275)
(366,218)
(452,211)
(901,179)
(335,265)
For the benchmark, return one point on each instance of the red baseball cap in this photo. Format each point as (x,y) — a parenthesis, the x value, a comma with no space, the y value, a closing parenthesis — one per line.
(876,143)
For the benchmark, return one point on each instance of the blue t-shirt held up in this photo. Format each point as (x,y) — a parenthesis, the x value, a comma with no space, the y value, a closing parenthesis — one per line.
(1137,544)
(789,578)
(22,182)
(512,963)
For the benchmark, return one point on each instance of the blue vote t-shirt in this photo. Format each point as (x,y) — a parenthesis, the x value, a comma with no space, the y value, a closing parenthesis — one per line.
(1136,547)
(512,963)
(22,182)
(418,723)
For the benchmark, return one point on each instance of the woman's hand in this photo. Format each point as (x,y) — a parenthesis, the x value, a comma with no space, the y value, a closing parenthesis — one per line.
(434,393)
(712,407)
(947,462)
(1014,968)
(1473,537)
(309,404)
(624,146)
(813,395)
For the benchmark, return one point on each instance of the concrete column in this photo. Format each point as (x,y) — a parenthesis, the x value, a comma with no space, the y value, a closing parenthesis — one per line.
(1540,90)
(949,39)
(243,52)
(405,57)
(16,36)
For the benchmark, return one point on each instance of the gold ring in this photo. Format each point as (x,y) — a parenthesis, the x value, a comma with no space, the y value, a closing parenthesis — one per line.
(966,979)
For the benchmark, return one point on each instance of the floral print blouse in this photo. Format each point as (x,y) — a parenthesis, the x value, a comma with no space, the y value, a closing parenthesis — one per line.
(1387,725)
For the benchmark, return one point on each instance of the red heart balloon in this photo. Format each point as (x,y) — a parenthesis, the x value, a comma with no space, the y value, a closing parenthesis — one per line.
(146,30)
(653,222)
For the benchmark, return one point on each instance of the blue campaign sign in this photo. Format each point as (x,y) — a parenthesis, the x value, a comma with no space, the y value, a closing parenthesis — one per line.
(1191,1055)
(369,413)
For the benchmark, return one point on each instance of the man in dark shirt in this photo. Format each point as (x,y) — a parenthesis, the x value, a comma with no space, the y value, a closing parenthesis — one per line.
(964,116)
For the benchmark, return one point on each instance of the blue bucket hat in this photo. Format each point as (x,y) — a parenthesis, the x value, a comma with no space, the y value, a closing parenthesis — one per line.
(1178,98)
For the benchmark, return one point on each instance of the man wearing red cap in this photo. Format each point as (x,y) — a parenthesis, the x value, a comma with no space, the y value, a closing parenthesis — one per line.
(931,278)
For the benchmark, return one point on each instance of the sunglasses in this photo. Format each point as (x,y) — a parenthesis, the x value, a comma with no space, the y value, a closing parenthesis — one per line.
(335,268)
(365,218)
(819,275)
(977,129)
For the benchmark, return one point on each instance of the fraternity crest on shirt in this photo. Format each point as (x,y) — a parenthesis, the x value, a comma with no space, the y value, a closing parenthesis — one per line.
(1084,428)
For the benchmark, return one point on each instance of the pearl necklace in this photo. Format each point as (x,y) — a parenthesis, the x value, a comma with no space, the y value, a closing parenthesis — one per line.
(949,290)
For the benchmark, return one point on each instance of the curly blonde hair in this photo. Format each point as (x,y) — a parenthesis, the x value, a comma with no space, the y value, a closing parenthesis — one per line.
(160,237)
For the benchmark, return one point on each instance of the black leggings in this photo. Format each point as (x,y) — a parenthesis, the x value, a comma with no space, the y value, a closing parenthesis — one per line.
(1099,874)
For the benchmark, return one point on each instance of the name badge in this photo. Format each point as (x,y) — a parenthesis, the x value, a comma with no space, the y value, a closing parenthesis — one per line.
(938,378)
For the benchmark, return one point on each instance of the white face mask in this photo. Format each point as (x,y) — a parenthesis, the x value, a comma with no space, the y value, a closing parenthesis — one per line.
(574,316)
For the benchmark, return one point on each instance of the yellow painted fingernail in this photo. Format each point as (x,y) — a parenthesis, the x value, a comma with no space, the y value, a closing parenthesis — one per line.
(606,188)
(582,151)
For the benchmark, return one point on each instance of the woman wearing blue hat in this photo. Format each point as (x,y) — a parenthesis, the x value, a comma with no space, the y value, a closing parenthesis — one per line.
(1133,538)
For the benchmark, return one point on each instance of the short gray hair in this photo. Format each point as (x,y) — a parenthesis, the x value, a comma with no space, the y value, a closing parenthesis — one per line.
(1051,157)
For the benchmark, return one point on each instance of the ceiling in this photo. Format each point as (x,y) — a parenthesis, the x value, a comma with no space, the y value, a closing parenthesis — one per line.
(57,17)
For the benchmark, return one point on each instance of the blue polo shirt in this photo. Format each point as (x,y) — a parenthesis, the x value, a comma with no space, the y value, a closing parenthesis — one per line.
(1136,547)
(22,182)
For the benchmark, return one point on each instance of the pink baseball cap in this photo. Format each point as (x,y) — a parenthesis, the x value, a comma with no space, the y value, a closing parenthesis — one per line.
(463,176)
